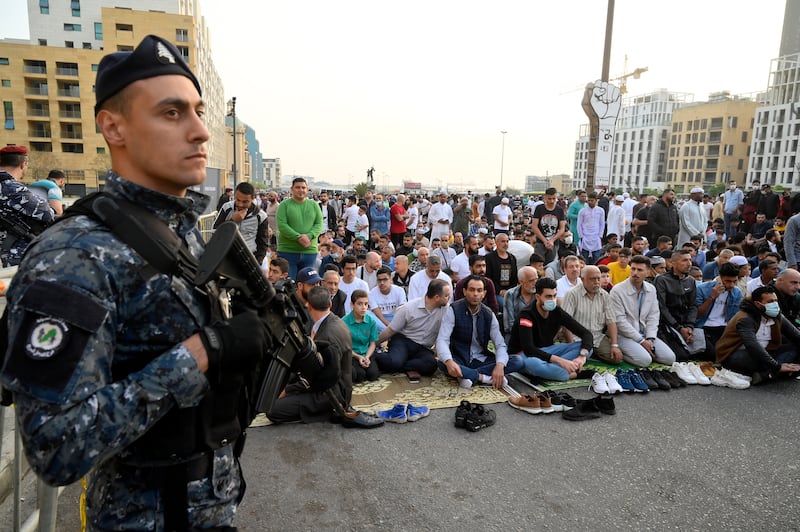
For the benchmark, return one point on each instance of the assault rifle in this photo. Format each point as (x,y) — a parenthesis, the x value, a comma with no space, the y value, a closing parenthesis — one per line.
(17,228)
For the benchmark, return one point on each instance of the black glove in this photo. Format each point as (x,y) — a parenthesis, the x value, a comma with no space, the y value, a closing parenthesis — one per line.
(236,344)
(319,367)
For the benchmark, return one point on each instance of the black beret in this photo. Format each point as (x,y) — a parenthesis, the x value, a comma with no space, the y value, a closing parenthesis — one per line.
(153,57)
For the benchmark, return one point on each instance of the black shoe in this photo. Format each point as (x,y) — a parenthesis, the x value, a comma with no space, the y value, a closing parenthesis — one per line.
(479,418)
(461,413)
(584,409)
(671,378)
(647,377)
(561,400)
(360,420)
(585,374)
(660,380)
(605,404)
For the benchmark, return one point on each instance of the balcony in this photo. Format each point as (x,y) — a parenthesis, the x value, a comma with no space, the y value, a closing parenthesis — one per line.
(75,135)
(36,91)
(69,114)
(67,71)
(70,92)
(39,112)
(35,69)
(40,134)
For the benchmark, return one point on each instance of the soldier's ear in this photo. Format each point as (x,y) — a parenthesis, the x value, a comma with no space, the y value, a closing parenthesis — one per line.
(111,125)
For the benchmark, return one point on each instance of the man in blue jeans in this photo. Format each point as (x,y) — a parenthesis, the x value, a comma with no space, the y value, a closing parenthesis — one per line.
(535,330)
(463,341)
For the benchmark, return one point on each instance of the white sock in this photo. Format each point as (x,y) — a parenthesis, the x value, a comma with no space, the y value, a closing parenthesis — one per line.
(484,379)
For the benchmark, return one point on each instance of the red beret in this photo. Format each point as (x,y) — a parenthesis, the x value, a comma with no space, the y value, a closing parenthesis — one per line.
(21,150)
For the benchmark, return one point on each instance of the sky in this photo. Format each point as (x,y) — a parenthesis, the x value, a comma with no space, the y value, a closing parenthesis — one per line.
(421,90)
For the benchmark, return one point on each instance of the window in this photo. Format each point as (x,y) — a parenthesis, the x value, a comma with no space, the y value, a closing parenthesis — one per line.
(98,31)
(70,147)
(741,164)
(75,6)
(44,7)
(42,146)
(184,50)
(733,121)
(66,69)
(744,136)
(87,46)
(3,60)
(69,44)
(31,66)
(42,42)
(8,108)
(182,35)
(72,27)
(101,150)
(124,27)
(124,48)
(94,67)
(6,83)
(716,123)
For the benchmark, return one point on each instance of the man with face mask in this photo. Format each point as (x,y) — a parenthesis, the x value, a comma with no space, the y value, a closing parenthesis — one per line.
(662,218)
(732,204)
(534,333)
(519,297)
(751,350)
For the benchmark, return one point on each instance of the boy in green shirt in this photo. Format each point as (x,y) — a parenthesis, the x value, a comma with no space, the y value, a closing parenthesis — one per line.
(364,331)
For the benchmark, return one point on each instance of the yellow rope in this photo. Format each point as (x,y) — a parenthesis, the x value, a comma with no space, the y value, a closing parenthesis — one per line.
(83,504)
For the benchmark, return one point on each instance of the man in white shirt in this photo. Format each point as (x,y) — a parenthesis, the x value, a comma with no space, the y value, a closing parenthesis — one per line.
(349,283)
(385,298)
(350,218)
(460,265)
(440,217)
(615,222)
(418,285)
(446,253)
(502,217)
(570,279)
(369,271)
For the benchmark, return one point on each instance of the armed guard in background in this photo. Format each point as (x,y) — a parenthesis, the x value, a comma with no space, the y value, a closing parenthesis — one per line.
(121,360)
(23,214)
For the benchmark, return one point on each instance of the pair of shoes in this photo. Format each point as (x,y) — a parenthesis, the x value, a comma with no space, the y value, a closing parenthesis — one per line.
(605,383)
(560,401)
(671,378)
(605,405)
(730,379)
(690,373)
(538,403)
(655,380)
(584,409)
(479,418)
(461,413)
(632,381)
(356,419)
(624,380)
(400,413)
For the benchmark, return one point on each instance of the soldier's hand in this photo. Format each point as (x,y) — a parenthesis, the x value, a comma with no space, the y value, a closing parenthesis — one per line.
(236,344)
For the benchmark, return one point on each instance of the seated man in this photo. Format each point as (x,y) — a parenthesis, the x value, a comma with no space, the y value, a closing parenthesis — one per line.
(477,266)
(401,275)
(717,303)
(413,332)
(571,278)
(331,281)
(420,280)
(519,297)
(787,288)
(752,342)
(677,303)
(385,299)
(768,270)
(463,341)
(298,402)
(590,306)
(635,307)
(535,331)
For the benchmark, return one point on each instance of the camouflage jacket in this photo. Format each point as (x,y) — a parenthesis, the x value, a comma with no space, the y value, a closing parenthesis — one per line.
(19,199)
(81,300)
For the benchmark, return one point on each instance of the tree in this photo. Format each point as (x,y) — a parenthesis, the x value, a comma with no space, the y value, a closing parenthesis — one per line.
(716,190)
(361,189)
(41,162)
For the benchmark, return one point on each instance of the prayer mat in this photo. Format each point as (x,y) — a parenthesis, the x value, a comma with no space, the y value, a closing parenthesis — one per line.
(437,391)
(542,385)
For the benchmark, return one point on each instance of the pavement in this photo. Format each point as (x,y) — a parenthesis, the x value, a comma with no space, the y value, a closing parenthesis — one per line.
(696,458)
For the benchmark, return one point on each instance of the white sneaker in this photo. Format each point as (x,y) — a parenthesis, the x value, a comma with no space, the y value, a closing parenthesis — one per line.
(737,380)
(698,374)
(683,373)
(599,384)
(612,384)
(719,378)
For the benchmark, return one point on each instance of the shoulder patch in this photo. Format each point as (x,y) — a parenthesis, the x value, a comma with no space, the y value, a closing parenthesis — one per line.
(48,336)
(525,322)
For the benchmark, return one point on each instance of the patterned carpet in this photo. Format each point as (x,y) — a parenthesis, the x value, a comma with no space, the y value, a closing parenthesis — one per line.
(437,391)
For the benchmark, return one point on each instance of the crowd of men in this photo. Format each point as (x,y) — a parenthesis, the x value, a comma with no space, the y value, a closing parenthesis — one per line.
(427,283)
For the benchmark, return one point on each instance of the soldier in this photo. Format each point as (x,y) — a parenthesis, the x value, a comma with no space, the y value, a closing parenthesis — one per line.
(24,213)
(116,369)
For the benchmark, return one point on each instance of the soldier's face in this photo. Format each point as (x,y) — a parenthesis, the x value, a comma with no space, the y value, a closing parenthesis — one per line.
(159,142)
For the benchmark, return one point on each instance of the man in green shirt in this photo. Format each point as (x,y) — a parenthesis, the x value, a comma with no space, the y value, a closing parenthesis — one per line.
(299,224)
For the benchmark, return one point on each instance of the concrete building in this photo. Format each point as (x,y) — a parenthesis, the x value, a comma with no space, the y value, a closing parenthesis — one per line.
(640,142)
(47,83)
(709,142)
(272,173)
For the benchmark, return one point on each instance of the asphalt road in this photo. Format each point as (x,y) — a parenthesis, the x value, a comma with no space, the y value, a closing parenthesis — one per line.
(697,458)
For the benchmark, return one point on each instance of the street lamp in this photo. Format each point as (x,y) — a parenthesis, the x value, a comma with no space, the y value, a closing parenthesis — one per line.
(232,113)
(502,158)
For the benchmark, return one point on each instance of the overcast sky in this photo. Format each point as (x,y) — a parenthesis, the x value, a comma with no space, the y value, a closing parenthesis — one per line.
(421,89)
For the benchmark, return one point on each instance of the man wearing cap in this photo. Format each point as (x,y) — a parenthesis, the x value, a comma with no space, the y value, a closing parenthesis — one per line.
(615,222)
(502,217)
(24,214)
(116,370)
(692,217)
(307,278)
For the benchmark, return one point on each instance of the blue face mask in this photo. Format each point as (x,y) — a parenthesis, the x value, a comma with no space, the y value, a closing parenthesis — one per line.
(549,305)
(772,309)
(415,252)
(335,256)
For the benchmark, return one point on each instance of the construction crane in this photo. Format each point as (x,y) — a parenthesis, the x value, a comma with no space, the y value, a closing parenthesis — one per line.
(622,78)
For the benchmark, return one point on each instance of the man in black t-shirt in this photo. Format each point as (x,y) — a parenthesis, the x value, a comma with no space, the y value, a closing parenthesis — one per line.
(548,226)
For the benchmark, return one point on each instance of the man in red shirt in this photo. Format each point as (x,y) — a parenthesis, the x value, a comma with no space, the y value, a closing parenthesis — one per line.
(398,217)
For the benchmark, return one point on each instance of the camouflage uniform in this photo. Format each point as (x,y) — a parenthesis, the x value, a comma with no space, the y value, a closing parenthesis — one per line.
(106,306)
(28,205)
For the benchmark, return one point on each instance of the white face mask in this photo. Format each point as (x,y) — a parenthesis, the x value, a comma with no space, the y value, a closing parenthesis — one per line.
(568,240)
(733,187)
